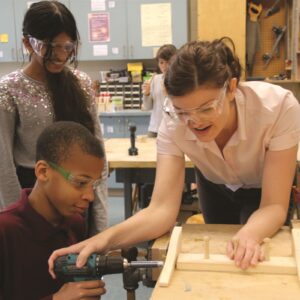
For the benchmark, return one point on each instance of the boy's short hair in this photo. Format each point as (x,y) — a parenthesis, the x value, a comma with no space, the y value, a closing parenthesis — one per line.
(55,142)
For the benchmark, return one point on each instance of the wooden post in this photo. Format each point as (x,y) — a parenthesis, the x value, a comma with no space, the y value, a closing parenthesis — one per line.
(206,246)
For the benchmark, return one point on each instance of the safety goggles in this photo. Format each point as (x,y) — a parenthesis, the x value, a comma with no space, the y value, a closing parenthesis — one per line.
(207,111)
(38,45)
(77,181)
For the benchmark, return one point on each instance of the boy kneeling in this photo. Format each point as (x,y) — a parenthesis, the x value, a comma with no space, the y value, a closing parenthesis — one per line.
(69,162)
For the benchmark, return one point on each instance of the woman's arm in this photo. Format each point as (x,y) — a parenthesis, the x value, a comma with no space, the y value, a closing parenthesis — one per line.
(278,173)
(147,224)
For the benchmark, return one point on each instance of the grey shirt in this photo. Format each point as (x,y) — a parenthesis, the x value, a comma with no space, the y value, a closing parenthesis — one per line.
(25,110)
(155,102)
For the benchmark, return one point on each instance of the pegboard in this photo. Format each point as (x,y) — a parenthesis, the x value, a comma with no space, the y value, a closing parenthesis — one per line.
(268,38)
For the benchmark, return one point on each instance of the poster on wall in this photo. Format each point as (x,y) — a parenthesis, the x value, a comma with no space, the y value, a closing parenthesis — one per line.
(156,24)
(97,5)
(99,27)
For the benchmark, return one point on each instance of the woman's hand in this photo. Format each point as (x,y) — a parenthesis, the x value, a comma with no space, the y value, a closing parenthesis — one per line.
(81,290)
(245,250)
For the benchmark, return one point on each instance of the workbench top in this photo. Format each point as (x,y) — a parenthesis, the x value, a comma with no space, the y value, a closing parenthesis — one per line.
(211,285)
(118,157)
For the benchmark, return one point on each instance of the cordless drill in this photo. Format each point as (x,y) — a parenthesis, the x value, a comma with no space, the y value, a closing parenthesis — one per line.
(97,265)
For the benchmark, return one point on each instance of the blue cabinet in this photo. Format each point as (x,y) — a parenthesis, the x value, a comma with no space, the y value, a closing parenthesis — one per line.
(7,32)
(122,38)
(117,28)
(11,19)
(137,43)
(116,124)
(110,45)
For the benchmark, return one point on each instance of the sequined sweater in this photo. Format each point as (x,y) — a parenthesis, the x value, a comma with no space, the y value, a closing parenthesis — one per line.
(25,110)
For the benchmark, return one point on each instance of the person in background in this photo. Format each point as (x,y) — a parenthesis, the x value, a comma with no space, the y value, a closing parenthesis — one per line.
(69,164)
(46,90)
(241,136)
(153,90)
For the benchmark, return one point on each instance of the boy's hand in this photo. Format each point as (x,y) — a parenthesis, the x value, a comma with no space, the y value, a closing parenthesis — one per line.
(245,251)
(81,290)
(146,87)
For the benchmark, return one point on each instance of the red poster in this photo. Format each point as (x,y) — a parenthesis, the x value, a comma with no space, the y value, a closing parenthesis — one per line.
(99,27)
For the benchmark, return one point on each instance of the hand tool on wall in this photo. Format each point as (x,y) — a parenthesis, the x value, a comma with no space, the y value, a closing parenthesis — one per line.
(252,33)
(273,9)
(254,10)
(279,33)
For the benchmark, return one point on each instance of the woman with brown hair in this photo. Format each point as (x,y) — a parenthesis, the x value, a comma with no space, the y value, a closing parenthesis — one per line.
(241,136)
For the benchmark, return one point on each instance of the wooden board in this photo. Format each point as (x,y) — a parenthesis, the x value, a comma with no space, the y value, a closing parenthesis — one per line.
(228,285)
(221,263)
(174,249)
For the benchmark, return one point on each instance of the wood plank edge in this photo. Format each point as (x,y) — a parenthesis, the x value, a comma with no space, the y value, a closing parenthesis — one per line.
(172,254)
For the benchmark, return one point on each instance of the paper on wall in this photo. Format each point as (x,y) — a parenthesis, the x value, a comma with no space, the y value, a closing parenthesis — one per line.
(115,50)
(111,4)
(156,25)
(97,5)
(110,129)
(100,50)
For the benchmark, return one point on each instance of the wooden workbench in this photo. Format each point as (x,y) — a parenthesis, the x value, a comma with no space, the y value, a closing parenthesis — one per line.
(136,169)
(118,157)
(211,285)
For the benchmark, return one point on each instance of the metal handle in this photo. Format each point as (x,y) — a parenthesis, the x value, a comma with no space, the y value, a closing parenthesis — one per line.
(131,51)
(21,56)
(124,51)
(13,56)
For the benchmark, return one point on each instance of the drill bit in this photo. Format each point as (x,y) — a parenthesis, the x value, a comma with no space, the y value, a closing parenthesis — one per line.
(145,264)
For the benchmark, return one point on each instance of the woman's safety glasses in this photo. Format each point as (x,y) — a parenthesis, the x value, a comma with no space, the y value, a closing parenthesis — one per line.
(207,111)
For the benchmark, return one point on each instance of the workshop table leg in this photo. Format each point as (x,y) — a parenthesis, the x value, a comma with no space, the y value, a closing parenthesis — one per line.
(127,197)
